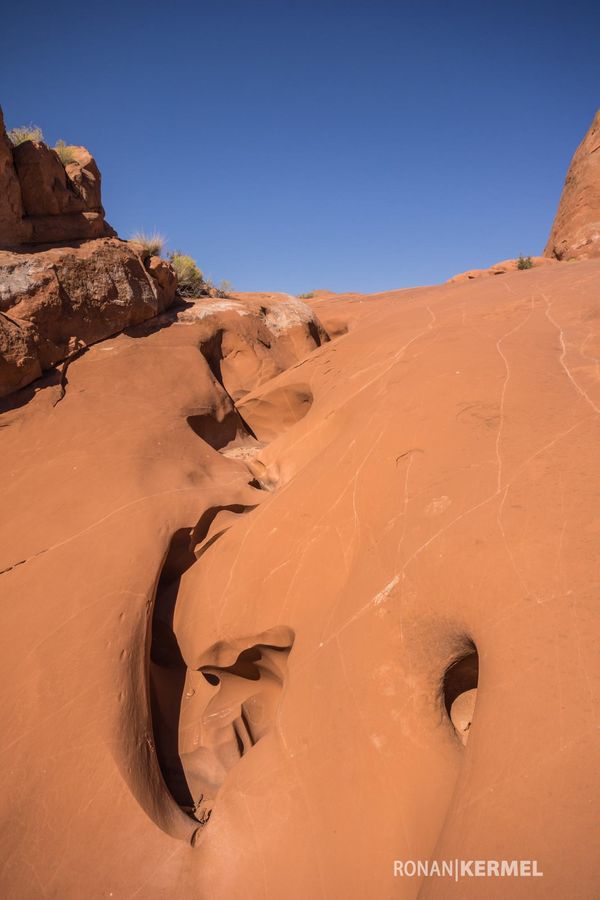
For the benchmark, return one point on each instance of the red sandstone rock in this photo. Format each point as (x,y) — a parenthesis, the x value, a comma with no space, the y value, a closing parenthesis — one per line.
(225,661)
(166,280)
(576,229)
(85,175)
(63,299)
(41,202)
(19,362)
(281,329)
(12,229)
(45,188)
(500,268)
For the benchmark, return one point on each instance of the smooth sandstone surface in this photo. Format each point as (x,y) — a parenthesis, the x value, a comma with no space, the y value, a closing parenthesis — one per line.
(233,633)
(576,229)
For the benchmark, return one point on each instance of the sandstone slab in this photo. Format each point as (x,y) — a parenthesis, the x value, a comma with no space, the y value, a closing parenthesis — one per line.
(230,663)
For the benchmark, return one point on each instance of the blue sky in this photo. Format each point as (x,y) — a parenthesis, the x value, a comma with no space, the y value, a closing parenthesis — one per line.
(298,145)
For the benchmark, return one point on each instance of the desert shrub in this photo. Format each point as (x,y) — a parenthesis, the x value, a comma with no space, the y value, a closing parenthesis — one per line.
(65,152)
(225,286)
(25,133)
(524,262)
(151,244)
(190,279)
(307,296)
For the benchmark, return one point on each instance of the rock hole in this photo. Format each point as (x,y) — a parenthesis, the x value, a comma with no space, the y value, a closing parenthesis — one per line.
(460,691)
(275,411)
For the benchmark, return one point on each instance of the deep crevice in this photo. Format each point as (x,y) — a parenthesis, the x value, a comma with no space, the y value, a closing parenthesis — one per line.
(461,675)
(460,683)
(201,732)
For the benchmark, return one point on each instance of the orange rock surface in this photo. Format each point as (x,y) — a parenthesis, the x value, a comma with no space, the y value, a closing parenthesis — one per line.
(56,301)
(252,578)
(576,229)
(43,201)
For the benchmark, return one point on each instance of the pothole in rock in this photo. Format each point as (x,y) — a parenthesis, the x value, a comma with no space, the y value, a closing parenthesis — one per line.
(460,691)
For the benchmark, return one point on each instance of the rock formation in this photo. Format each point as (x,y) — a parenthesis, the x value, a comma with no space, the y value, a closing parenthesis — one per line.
(61,287)
(279,610)
(500,268)
(44,202)
(576,230)
(266,646)
(57,301)
(13,230)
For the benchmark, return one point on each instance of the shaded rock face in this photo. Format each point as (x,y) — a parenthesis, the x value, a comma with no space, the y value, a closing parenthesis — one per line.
(13,229)
(576,230)
(58,301)
(245,642)
(164,276)
(42,202)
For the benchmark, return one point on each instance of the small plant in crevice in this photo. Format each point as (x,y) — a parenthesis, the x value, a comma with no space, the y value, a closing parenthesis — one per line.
(307,296)
(524,262)
(190,280)
(25,133)
(151,244)
(64,152)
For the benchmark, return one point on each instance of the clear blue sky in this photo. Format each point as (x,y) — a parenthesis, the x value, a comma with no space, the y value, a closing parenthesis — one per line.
(297,145)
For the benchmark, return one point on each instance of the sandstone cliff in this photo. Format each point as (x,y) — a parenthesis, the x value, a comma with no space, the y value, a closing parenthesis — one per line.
(65,281)
(576,230)
(44,202)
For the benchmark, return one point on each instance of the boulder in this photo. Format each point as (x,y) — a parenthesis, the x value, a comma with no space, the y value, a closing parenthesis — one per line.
(166,280)
(19,363)
(576,229)
(84,174)
(57,301)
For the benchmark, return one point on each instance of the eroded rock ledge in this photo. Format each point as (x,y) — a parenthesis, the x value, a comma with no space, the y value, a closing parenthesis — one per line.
(44,202)
(55,302)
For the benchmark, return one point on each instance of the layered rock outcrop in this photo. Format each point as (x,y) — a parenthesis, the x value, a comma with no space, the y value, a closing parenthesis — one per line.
(56,299)
(576,229)
(44,202)
(55,302)
(13,230)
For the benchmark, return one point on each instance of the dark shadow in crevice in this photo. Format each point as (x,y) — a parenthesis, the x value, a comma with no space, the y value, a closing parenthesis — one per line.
(202,527)
(314,333)
(461,675)
(212,351)
(214,432)
(201,732)
(167,667)
(168,676)
(158,322)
